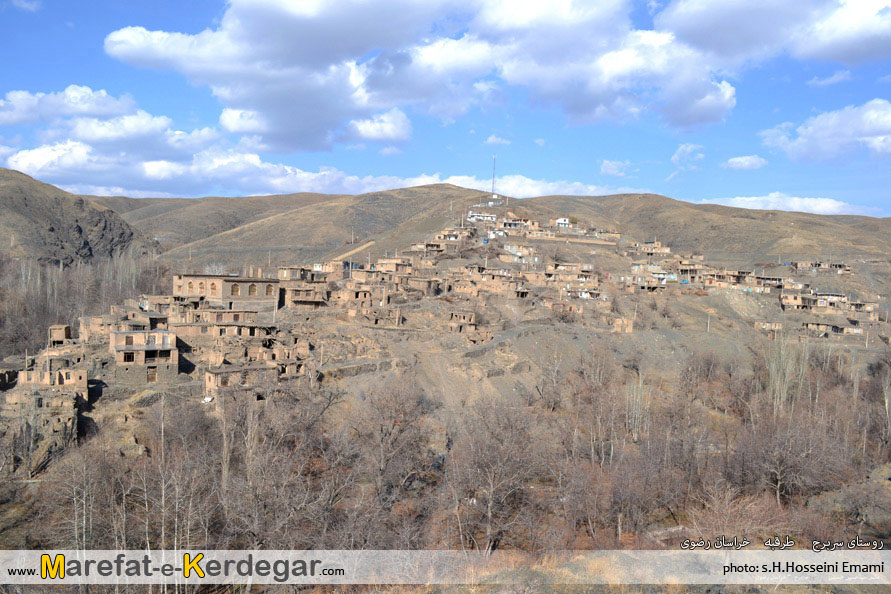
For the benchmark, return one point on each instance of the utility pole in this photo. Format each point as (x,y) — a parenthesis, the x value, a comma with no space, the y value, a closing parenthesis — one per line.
(493,177)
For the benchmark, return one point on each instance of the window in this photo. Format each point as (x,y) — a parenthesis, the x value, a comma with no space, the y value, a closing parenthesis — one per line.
(252,290)
(213,289)
(269,290)
(203,329)
(201,287)
(219,317)
(150,339)
(128,340)
(68,375)
(151,375)
(191,287)
(129,357)
(163,354)
(224,381)
(235,290)
(235,317)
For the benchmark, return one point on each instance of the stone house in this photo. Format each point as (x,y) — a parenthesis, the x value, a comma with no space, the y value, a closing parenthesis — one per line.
(144,356)
(230,292)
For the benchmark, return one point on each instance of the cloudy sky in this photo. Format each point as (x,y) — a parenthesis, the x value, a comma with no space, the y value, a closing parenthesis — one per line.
(754,103)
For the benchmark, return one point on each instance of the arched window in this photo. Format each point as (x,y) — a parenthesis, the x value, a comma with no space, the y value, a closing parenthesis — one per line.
(269,290)
(191,287)
(201,287)
(213,289)
(236,290)
(252,290)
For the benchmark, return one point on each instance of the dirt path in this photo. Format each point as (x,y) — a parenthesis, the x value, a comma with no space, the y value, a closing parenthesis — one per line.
(354,251)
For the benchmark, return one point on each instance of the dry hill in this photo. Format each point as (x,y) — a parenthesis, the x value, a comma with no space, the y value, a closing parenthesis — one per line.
(177,221)
(43,222)
(327,228)
(723,231)
(307,227)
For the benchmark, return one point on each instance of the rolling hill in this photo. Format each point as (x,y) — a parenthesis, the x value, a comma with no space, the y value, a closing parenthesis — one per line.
(725,232)
(326,228)
(177,221)
(47,223)
(50,225)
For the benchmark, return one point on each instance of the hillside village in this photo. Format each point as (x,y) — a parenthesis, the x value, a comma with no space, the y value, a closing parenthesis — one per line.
(467,296)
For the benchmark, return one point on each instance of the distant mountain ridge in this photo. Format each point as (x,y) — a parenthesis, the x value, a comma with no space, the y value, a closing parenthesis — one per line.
(307,227)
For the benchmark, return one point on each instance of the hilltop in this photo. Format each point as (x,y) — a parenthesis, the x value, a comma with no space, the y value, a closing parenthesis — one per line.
(177,221)
(307,227)
(51,225)
(725,231)
(330,225)
(310,227)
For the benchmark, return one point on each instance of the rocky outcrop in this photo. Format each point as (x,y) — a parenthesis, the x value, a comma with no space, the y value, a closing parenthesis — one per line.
(53,226)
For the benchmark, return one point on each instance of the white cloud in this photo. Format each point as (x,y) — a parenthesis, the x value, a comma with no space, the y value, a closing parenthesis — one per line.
(493,139)
(163,169)
(780,201)
(745,162)
(390,126)
(736,31)
(23,107)
(77,167)
(520,186)
(740,32)
(65,156)
(27,5)
(836,77)
(242,121)
(540,141)
(850,31)
(687,155)
(685,158)
(137,125)
(835,132)
(614,168)
(390,150)
(307,73)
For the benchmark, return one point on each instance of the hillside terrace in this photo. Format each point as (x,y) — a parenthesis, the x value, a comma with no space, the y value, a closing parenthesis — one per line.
(234,328)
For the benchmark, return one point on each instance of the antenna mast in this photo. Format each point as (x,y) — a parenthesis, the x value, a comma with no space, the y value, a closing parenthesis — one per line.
(494,195)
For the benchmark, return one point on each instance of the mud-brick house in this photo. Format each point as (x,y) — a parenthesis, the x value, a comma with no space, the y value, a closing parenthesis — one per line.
(394,265)
(144,356)
(622,325)
(230,292)
(847,330)
(354,296)
(462,321)
(651,248)
(93,329)
(53,372)
(260,377)
(305,295)
(221,316)
(309,274)
(59,335)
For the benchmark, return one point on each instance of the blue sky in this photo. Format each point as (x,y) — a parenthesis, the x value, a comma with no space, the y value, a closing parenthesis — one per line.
(753,103)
